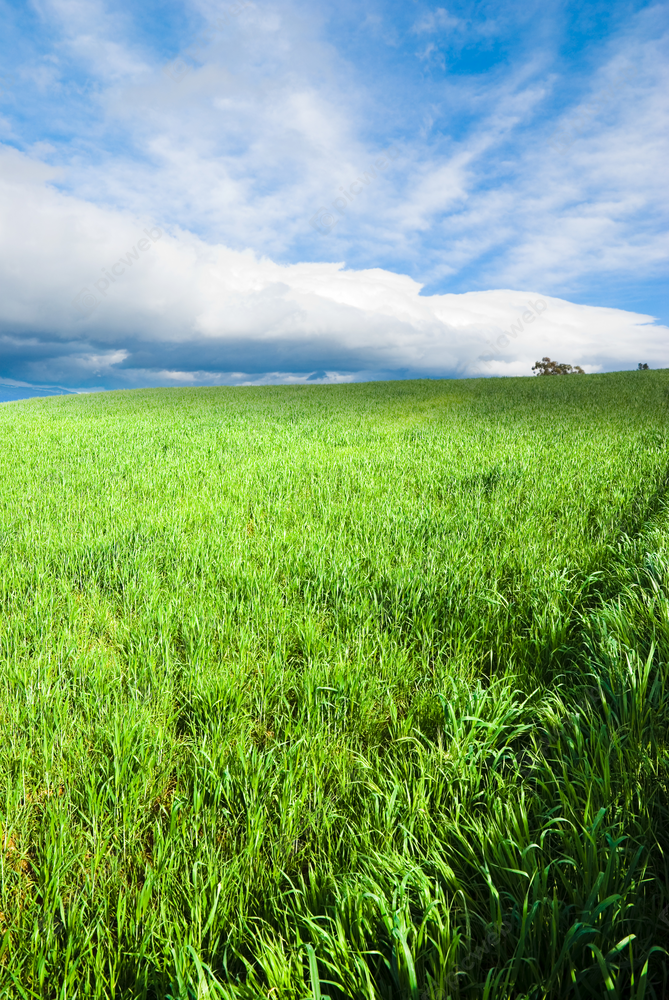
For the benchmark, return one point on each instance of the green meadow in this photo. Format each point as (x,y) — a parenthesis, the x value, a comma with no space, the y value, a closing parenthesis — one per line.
(352,691)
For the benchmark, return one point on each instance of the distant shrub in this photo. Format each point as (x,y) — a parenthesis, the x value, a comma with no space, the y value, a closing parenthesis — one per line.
(642,368)
(548,367)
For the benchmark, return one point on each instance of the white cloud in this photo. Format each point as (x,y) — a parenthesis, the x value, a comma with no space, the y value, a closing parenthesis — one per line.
(95,34)
(180,310)
(264,130)
(436,20)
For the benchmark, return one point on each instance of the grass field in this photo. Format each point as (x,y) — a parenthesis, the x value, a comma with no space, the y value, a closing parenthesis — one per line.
(339,691)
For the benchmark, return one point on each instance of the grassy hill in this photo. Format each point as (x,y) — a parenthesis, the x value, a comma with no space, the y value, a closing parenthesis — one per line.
(352,691)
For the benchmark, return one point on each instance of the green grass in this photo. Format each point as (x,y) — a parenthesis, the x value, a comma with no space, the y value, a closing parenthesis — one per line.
(342,691)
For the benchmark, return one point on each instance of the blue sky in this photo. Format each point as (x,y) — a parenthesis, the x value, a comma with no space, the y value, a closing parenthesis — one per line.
(367,190)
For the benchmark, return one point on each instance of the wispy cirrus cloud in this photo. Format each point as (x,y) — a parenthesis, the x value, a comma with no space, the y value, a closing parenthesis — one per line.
(437,20)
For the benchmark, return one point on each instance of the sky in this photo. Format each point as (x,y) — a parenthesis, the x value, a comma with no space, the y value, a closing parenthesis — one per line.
(274,191)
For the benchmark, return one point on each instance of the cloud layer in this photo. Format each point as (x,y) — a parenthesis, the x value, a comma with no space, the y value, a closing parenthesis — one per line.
(337,190)
(97,297)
